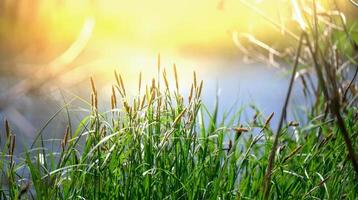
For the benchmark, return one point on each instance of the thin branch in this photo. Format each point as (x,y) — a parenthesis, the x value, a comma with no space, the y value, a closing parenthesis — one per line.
(267,178)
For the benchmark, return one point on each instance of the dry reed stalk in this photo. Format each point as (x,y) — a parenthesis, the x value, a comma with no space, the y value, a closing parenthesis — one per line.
(94,97)
(93,85)
(135,104)
(151,98)
(153,84)
(267,178)
(12,149)
(94,101)
(350,85)
(120,84)
(113,106)
(143,102)
(194,79)
(147,95)
(200,88)
(127,107)
(140,82)
(114,96)
(65,138)
(139,103)
(158,72)
(333,99)
(176,78)
(113,99)
(191,92)
(165,79)
(7,129)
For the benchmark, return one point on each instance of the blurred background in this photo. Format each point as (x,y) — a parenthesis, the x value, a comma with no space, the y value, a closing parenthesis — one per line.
(49,49)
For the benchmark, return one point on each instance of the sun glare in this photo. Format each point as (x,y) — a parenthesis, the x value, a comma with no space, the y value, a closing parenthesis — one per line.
(118,34)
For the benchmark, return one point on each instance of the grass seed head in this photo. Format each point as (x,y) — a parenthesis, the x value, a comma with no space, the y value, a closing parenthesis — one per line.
(120,84)
(177,119)
(94,101)
(267,122)
(126,107)
(165,79)
(93,85)
(194,79)
(142,103)
(229,147)
(191,93)
(240,130)
(114,93)
(112,102)
(7,129)
(293,123)
(65,138)
(176,77)
(199,89)
(140,82)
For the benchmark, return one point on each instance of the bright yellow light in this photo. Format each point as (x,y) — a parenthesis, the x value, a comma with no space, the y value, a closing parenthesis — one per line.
(130,33)
(297,15)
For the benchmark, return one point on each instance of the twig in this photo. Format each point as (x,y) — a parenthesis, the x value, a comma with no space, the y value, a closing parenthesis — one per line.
(267,178)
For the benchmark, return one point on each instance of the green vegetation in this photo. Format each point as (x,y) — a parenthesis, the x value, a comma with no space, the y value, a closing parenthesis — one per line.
(159,145)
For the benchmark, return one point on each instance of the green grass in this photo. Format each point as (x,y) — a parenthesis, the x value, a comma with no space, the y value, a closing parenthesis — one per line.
(163,145)
(158,146)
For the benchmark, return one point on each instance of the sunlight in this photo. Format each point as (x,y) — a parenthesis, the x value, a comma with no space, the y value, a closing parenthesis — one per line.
(75,49)
(297,15)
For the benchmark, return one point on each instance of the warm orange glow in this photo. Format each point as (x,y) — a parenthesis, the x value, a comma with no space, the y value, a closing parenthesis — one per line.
(129,34)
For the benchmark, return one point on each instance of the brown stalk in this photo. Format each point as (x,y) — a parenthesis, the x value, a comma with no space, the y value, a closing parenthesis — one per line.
(334,106)
(112,103)
(176,78)
(267,178)
(191,93)
(127,107)
(65,138)
(120,83)
(194,78)
(165,79)
(142,104)
(340,122)
(12,148)
(93,85)
(140,82)
(158,73)
(114,95)
(199,89)
(350,84)
(7,129)
(94,98)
